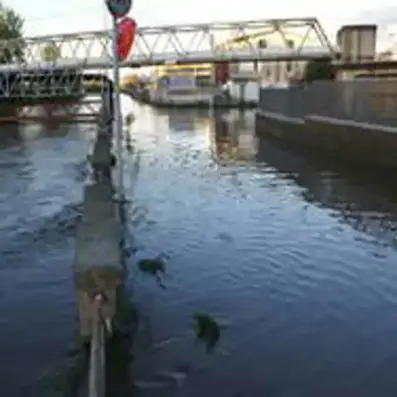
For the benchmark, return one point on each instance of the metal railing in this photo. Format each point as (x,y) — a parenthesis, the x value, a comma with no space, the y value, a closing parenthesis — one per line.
(364,100)
(96,375)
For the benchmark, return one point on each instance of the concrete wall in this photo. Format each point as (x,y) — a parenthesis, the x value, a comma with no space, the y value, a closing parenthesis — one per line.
(355,119)
(357,43)
(371,101)
(251,91)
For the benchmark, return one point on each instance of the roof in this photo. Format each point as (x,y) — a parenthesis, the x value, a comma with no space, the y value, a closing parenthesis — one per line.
(358,27)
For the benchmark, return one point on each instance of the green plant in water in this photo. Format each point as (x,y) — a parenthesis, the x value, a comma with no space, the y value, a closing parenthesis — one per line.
(154,267)
(207,330)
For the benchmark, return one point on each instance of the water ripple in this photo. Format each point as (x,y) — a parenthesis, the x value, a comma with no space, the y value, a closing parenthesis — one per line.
(279,245)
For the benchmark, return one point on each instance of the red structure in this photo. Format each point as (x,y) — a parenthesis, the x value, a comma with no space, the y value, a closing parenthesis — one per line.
(126,30)
(221,72)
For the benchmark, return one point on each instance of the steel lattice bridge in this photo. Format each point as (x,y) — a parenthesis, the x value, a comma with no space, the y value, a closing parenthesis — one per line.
(25,66)
(183,44)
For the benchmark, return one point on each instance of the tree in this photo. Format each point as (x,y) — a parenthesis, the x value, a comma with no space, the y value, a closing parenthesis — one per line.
(51,52)
(12,45)
(319,69)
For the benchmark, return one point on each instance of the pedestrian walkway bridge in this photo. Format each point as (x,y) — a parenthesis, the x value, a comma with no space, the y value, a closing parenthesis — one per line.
(193,43)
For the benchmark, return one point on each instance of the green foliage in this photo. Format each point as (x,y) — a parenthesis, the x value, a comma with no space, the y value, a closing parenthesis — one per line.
(11,27)
(319,69)
(51,52)
(153,267)
(207,330)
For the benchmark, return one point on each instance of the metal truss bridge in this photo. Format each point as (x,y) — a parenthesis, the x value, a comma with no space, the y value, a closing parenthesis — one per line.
(180,44)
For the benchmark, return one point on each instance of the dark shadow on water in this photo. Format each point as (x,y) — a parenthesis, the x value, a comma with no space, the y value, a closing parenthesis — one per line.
(119,353)
(10,135)
(362,196)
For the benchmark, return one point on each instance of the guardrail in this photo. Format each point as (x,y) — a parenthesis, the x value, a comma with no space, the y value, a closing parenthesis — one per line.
(96,376)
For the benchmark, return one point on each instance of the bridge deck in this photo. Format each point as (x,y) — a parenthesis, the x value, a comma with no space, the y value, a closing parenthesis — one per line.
(140,60)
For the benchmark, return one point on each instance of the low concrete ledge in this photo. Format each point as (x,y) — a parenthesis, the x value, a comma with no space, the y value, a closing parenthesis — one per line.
(352,124)
(98,264)
(370,143)
(99,192)
(281,127)
(280,117)
(102,155)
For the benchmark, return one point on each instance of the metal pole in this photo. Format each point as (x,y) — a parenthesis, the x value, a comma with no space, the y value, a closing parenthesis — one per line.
(117,122)
(213,79)
(96,376)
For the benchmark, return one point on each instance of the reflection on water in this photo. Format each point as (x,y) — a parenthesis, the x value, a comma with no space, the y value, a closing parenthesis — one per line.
(267,241)
(358,195)
(12,137)
(233,137)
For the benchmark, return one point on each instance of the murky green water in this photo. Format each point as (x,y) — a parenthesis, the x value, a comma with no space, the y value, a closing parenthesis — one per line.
(293,256)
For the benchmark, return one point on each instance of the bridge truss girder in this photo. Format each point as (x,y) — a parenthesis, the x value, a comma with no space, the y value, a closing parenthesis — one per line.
(172,43)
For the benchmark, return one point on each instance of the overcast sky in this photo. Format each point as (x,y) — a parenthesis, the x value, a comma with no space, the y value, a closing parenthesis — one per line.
(57,16)
(51,16)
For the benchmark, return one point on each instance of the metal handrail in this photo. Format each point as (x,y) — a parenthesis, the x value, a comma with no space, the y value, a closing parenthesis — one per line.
(96,376)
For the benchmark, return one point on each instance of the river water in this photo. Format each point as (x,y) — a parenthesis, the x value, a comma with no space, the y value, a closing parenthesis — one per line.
(294,257)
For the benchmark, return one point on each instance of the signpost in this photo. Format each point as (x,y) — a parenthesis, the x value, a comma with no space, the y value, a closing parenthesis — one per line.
(117,9)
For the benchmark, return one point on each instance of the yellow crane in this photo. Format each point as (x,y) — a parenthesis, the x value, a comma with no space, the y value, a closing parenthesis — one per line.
(261,38)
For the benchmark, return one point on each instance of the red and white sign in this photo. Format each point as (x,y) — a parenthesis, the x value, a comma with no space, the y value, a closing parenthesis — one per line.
(126,29)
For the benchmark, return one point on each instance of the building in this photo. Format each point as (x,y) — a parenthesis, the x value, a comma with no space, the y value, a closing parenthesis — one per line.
(277,72)
(271,72)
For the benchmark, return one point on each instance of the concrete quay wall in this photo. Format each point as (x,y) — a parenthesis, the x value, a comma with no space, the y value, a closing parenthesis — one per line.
(369,143)
(319,119)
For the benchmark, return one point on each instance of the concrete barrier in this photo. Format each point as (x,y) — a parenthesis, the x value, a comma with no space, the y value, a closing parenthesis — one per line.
(370,143)
(102,158)
(99,269)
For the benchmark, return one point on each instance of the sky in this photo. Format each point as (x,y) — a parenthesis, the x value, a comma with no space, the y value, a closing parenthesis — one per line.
(46,17)
(57,16)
